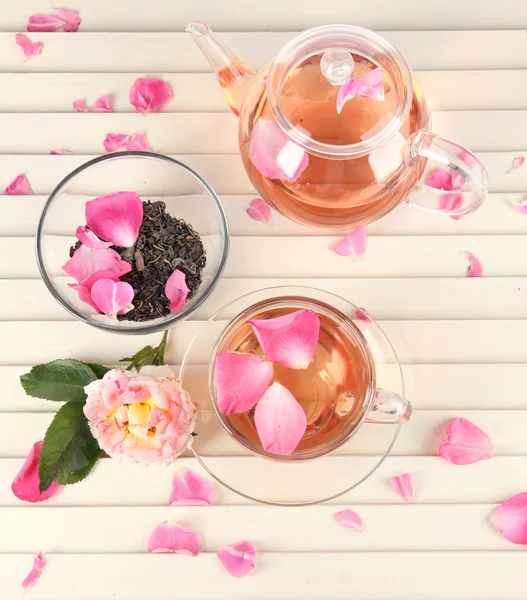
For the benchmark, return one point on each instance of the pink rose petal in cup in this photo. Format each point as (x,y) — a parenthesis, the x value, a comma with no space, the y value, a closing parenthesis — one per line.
(274,154)
(176,290)
(520,206)
(517,162)
(88,238)
(402,484)
(87,261)
(350,519)
(280,420)
(38,564)
(465,444)
(188,489)
(240,381)
(510,519)
(113,297)
(25,486)
(66,19)
(28,47)
(238,559)
(61,152)
(449,202)
(354,244)
(116,218)
(170,537)
(290,340)
(370,85)
(20,186)
(475,269)
(259,210)
(149,95)
(122,141)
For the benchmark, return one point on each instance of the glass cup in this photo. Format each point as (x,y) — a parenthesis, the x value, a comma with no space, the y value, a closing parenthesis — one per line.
(152,177)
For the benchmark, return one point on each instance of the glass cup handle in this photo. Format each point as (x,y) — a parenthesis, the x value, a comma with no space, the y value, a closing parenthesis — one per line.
(389,407)
(423,144)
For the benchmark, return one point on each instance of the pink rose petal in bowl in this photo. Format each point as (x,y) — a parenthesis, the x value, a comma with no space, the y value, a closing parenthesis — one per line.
(170,537)
(176,290)
(88,238)
(38,565)
(112,297)
(28,47)
(87,261)
(116,218)
(121,141)
(402,484)
(510,519)
(259,210)
(354,244)
(369,85)
(238,558)
(465,444)
(149,95)
(84,288)
(240,381)
(25,486)
(188,489)
(280,420)
(290,340)
(476,268)
(20,186)
(350,519)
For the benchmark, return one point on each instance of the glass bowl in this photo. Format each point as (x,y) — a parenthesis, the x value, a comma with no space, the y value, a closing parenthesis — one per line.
(152,177)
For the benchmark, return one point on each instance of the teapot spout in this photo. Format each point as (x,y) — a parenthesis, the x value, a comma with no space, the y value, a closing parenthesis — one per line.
(234,77)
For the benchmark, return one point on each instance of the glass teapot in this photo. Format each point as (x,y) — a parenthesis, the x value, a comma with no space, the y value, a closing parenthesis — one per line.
(335,132)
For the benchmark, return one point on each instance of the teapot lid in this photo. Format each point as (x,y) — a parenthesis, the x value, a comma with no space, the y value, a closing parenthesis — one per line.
(340,90)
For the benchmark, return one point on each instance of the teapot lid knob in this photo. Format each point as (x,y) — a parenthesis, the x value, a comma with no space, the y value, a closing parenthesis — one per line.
(337,65)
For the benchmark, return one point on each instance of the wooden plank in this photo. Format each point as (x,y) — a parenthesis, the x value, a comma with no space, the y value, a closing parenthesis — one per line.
(161,52)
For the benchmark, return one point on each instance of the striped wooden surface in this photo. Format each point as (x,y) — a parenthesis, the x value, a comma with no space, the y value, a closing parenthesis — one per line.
(462,341)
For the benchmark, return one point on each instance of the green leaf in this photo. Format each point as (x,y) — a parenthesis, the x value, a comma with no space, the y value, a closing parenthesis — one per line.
(145,356)
(60,380)
(99,370)
(69,451)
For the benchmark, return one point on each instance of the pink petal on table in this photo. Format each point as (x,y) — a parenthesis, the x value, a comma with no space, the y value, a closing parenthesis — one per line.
(70,18)
(259,210)
(121,141)
(188,489)
(20,186)
(465,444)
(475,269)
(238,559)
(80,106)
(38,564)
(361,314)
(113,297)
(451,202)
(290,340)
(402,484)
(274,154)
(370,85)
(61,152)
(137,141)
(280,420)
(149,95)
(84,288)
(176,290)
(88,238)
(510,519)
(103,104)
(170,537)
(47,23)
(29,48)
(240,381)
(354,244)
(520,206)
(350,519)
(517,162)
(25,486)
(87,261)
(116,218)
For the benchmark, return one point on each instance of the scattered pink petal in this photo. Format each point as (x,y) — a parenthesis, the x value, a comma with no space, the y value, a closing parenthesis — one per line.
(362,315)
(20,186)
(510,519)
(280,420)
(354,244)
(290,340)
(121,141)
(116,218)
(259,210)
(274,154)
(38,564)
(238,559)
(520,206)
(517,162)
(170,537)
(188,489)
(61,152)
(88,238)
(465,444)
(240,380)
(65,19)
(445,179)
(149,95)
(29,48)
(84,288)
(449,202)
(402,484)
(26,484)
(80,106)
(350,519)
(87,261)
(103,104)
(370,85)
(475,269)
(176,290)
(113,297)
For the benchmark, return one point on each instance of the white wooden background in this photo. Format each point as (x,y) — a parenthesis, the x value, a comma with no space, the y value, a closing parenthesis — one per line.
(463,341)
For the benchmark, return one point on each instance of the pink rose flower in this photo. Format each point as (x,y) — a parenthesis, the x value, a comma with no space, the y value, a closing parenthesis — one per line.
(146,416)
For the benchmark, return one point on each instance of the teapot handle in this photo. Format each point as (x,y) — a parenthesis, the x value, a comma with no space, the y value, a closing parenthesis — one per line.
(452,202)
(388,407)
